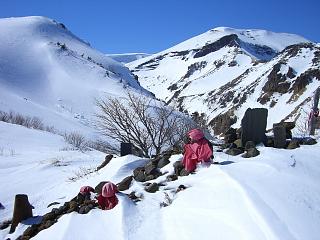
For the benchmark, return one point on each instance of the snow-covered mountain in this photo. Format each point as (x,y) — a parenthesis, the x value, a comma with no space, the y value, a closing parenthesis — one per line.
(224,71)
(47,72)
(127,57)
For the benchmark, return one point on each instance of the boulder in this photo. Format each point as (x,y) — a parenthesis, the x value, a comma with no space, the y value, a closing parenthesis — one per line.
(184,172)
(134,197)
(125,183)
(150,168)
(73,207)
(46,224)
(238,143)
(164,160)
(293,144)
(230,135)
(178,166)
(172,177)
(269,142)
(85,209)
(289,125)
(139,175)
(234,151)
(249,144)
(181,188)
(150,177)
(251,152)
(152,188)
(107,159)
(30,232)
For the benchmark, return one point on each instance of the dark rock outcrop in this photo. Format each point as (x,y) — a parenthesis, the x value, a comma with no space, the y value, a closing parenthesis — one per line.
(230,135)
(234,151)
(139,175)
(222,122)
(152,188)
(105,162)
(251,152)
(293,144)
(230,40)
(125,183)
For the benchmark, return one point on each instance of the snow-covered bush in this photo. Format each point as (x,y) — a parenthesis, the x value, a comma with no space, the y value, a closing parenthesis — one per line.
(76,140)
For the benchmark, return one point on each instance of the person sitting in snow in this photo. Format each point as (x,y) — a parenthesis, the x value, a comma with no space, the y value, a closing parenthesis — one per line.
(108,199)
(198,150)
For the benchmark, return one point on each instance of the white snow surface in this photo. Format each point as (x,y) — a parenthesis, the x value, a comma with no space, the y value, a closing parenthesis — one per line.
(47,72)
(272,196)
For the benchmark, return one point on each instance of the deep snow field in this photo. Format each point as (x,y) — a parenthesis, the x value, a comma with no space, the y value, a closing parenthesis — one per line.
(275,195)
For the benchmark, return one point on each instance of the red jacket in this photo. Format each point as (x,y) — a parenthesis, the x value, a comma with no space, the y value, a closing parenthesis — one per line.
(199,151)
(107,203)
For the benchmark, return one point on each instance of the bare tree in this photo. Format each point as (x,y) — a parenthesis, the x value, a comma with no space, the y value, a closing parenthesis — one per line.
(142,121)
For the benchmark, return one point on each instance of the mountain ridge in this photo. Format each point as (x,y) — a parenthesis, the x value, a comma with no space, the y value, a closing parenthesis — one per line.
(201,79)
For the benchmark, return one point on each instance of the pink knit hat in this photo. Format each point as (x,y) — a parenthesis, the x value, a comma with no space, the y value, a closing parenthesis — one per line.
(109,189)
(195,134)
(86,189)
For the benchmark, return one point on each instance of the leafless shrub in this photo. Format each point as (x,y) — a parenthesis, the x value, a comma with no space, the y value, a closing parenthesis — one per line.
(105,147)
(58,162)
(26,121)
(81,173)
(7,152)
(142,121)
(76,140)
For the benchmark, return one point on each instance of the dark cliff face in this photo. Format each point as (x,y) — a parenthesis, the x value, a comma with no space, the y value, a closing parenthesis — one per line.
(229,40)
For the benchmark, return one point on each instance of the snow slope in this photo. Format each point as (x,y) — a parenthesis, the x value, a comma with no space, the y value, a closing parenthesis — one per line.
(48,72)
(272,196)
(225,71)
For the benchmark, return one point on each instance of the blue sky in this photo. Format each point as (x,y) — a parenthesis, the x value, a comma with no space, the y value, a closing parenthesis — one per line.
(151,26)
